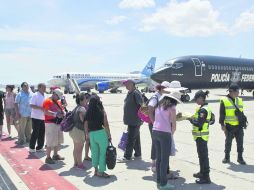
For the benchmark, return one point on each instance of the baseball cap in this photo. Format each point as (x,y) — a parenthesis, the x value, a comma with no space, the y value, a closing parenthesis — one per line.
(200,93)
(58,92)
(234,87)
(128,80)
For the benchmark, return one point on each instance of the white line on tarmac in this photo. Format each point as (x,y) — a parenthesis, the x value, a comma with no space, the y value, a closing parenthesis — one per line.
(12,175)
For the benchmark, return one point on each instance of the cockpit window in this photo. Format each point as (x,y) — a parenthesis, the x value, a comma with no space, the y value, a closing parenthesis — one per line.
(177,65)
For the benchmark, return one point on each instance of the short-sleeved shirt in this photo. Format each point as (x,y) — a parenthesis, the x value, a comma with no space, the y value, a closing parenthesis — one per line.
(95,125)
(23,100)
(163,119)
(78,123)
(154,100)
(132,103)
(37,100)
(48,104)
(10,100)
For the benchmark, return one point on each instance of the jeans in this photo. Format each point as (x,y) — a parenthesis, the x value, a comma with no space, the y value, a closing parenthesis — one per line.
(133,142)
(232,132)
(38,134)
(153,150)
(162,142)
(203,156)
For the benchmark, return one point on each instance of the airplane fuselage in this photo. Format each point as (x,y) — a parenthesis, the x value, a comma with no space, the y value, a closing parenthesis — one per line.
(198,72)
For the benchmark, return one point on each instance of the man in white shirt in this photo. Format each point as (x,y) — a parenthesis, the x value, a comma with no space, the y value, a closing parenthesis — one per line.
(38,118)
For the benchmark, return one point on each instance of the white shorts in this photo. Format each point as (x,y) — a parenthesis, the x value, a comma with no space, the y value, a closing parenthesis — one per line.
(54,135)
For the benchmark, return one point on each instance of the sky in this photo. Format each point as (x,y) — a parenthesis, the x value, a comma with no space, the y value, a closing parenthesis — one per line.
(39,38)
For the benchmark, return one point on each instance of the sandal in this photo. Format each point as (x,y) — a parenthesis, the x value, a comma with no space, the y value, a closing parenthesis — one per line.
(103,175)
(88,159)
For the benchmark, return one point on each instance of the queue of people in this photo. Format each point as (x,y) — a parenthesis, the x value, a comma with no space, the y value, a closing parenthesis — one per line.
(36,117)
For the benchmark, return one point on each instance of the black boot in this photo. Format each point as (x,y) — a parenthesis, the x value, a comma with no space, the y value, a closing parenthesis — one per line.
(204,180)
(198,175)
(240,159)
(226,159)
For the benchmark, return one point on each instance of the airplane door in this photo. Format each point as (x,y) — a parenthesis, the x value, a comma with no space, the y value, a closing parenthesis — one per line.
(198,67)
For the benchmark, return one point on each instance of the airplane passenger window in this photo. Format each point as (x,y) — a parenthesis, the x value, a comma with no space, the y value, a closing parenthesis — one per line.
(209,67)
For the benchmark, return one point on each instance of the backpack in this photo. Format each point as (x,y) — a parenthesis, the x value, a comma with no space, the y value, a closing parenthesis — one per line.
(68,123)
(143,113)
(111,156)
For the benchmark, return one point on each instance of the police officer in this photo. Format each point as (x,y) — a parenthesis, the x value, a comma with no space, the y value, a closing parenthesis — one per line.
(230,123)
(200,132)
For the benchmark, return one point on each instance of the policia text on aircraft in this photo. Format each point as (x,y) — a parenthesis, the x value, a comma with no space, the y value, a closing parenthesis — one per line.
(201,121)
(232,122)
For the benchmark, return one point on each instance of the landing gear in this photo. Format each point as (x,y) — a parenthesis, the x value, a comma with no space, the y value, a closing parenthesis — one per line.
(253,94)
(101,92)
(185,98)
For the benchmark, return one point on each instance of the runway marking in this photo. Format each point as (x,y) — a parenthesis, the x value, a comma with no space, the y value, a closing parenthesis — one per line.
(33,172)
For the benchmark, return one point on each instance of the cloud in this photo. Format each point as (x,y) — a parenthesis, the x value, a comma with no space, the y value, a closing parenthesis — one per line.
(136,4)
(245,22)
(116,20)
(188,19)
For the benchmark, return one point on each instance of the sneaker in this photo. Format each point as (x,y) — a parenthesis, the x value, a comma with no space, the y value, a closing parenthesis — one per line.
(123,160)
(32,150)
(40,150)
(57,157)
(167,187)
(81,167)
(49,161)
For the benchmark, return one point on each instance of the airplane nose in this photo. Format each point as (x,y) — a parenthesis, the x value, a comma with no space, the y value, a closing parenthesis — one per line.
(158,76)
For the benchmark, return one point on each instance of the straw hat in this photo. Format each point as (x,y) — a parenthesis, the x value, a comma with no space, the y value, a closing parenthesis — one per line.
(175,86)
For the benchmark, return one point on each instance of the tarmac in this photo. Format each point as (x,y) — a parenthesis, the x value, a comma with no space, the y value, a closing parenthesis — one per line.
(28,171)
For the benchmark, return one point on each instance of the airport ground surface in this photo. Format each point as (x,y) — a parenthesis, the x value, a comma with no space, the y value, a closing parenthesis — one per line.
(29,171)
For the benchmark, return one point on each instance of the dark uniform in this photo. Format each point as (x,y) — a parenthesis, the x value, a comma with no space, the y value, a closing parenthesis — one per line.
(233,129)
(200,134)
(1,110)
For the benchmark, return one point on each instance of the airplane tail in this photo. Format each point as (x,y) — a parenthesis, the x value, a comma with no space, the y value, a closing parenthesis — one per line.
(149,68)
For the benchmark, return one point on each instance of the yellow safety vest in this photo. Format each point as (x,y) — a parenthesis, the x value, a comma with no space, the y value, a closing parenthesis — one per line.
(204,133)
(230,117)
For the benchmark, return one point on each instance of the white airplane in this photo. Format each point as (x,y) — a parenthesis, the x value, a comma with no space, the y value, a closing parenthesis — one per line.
(103,81)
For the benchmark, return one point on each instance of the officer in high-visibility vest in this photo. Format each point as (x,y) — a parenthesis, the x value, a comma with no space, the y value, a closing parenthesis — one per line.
(200,134)
(230,123)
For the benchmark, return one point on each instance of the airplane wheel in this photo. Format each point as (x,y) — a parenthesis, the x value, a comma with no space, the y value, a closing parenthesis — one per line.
(187,98)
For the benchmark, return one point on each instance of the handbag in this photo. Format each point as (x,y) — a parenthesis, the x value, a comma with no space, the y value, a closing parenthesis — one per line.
(123,141)
(243,122)
(111,156)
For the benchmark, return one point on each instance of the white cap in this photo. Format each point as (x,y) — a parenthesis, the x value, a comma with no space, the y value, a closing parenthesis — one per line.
(58,92)
(175,86)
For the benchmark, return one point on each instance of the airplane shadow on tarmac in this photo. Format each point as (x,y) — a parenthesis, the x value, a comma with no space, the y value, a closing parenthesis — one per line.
(241,168)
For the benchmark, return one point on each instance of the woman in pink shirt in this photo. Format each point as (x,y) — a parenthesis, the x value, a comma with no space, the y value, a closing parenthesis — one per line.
(9,108)
(164,127)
